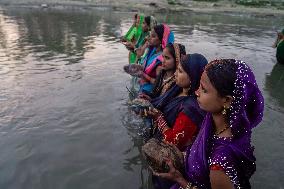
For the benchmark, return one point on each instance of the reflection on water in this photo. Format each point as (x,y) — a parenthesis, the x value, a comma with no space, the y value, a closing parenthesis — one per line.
(64,122)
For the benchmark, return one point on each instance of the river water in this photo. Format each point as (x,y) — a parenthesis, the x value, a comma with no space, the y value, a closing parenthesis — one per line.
(64,123)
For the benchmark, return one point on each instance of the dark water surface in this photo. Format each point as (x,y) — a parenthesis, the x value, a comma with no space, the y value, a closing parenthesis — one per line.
(63,119)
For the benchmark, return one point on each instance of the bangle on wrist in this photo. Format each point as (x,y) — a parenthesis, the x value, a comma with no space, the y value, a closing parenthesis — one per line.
(188,186)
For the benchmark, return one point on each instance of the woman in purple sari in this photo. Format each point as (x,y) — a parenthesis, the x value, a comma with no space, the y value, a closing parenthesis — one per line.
(222,156)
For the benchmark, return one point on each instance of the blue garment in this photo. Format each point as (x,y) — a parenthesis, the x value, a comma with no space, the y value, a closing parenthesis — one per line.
(152,58)
(171,104)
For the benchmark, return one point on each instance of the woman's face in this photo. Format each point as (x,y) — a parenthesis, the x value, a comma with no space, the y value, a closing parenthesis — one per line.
(154,39)
(145,27)
(168,62)
(207,96)
(182,78)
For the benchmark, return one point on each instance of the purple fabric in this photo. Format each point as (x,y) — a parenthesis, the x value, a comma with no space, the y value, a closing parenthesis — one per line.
(235,154)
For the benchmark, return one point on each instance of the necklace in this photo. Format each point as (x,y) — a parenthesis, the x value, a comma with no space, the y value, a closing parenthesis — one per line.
(216,134)
(168,79)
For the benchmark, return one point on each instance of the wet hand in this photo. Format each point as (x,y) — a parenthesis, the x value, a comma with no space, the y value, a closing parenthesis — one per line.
(179,153)
(129,46)
(173,174)
(144,96)
(153,112)
(139,52)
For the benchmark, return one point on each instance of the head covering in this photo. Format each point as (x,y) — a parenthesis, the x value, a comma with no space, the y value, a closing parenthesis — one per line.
(164,34)
(171,104)
(177,53)
(135,31)
(150,21)
(158,86)
(193,65)
(139,27)
(153,22)
(154,59)
(234,155)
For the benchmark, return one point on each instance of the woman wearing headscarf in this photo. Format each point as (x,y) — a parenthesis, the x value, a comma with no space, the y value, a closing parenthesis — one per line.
(142,44)
(177,116)
(132,32)
(172,55)
(133,35)
(222,156)
(160,36)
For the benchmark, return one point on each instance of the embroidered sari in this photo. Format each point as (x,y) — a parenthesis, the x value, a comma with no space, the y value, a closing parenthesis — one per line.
(234,155)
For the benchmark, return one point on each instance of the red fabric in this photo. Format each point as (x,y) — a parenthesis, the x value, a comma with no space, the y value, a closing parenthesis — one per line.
(182,132)
(216,167)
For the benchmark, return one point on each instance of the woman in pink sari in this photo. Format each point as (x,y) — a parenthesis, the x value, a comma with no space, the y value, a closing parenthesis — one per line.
(160,36)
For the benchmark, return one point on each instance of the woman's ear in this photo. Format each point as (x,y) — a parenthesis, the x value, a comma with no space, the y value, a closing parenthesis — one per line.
(227,100)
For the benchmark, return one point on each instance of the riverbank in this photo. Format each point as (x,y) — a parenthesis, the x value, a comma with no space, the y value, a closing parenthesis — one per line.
(222,6)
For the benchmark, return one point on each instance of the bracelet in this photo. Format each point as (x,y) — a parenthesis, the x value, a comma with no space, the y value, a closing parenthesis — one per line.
(188,186)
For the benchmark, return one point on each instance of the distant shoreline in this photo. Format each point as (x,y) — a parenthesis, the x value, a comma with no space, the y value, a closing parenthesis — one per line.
(144,6)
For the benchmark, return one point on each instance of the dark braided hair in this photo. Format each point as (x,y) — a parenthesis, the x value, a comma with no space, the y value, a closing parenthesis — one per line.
(159,29)
(222,75)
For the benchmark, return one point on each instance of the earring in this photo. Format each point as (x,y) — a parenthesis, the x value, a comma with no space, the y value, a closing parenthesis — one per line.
(224,111)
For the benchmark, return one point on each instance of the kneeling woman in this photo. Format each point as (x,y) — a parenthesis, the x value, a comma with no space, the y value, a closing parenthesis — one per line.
(222,156)
(177,116)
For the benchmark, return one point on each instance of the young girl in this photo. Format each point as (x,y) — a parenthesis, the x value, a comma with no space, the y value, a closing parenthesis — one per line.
(178,116)
(222,156)
(172,56)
